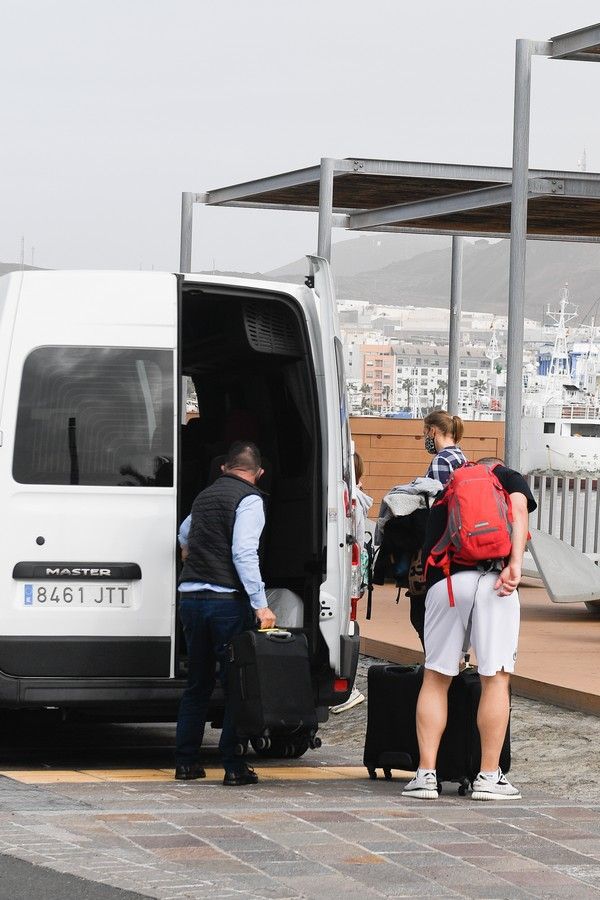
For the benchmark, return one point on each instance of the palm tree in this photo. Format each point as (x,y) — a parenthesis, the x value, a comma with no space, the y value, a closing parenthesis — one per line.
(443,387)
(406,384)
(479,388)
(385,394)
(365,405)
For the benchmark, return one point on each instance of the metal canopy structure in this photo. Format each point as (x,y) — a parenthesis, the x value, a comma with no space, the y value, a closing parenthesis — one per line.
(583,44)
(434,198)
(378,195)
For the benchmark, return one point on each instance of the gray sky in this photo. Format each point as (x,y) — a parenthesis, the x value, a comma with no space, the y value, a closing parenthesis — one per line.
(110,109)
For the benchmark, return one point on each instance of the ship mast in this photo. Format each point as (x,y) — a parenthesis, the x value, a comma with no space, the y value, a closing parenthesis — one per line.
(560,366)
(587,378)
(492,352)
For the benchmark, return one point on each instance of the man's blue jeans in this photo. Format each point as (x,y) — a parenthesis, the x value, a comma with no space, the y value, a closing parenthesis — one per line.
(209,625)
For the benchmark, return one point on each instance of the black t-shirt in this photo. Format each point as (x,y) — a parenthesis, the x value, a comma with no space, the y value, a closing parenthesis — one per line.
(512,482)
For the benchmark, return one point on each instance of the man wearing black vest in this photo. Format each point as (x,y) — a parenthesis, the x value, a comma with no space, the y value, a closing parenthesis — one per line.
(221,594)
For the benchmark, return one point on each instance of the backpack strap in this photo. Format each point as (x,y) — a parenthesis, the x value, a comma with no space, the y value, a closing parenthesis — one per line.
(443,563)
(467,640)
(371,563)
(450,590)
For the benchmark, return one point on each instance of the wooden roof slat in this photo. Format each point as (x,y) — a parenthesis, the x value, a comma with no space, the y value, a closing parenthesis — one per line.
(358,187)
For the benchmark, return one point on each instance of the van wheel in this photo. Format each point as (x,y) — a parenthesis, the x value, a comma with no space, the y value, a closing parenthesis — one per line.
(282,747)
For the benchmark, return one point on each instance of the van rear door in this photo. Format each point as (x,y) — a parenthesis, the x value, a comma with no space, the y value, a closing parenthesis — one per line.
(335,590)
(87,480)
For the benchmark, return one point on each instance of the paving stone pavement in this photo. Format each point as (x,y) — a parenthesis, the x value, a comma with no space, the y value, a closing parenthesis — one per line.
(308,831)
(311,839)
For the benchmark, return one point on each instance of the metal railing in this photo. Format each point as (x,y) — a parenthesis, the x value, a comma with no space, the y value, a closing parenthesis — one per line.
(568,508)
(575,412)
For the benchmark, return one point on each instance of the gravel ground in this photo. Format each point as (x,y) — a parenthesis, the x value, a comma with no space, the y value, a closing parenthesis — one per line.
(553,749)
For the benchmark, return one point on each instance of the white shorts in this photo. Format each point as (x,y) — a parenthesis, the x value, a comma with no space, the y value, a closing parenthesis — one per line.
(494,627)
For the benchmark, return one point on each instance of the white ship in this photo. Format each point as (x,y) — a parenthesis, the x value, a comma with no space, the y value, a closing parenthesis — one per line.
(561,411)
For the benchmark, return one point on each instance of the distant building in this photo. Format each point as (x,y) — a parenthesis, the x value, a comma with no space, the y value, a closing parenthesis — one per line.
(378,366)
(422,369)
(396,358)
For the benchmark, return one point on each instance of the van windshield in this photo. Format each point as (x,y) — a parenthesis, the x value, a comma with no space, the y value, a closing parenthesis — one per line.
(95,416)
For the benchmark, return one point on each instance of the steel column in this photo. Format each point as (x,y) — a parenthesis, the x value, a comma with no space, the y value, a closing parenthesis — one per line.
(325,208)
(187,216)
(518,245)
(454,333)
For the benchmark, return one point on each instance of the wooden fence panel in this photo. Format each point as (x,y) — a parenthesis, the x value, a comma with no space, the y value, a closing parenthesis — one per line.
(393,451)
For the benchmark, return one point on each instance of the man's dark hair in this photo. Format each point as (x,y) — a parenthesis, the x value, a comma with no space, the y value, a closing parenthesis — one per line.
(490,460)
(243,455)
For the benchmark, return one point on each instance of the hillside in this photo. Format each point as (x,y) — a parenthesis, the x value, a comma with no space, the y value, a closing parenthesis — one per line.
(408,269)
(353,256)
(407,275)
(424,280)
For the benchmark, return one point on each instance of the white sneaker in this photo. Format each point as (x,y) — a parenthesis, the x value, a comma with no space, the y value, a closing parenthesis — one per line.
(353,700)
(422,787)
(496,788)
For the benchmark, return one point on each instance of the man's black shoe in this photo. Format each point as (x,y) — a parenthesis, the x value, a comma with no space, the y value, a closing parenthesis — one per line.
(189,773)
(235,779)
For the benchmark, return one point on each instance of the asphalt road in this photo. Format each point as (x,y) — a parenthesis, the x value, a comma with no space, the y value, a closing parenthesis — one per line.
(20,880)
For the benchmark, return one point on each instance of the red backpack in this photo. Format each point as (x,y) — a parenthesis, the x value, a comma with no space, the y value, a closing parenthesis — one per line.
(479,523)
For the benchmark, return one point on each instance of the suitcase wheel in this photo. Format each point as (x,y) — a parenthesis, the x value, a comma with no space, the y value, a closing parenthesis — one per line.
(387,774)
(315,742)
(241,748)
(262,743)
(464,786)
(372,774)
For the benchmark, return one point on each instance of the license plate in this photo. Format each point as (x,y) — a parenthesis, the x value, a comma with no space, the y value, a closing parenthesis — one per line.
(115,596)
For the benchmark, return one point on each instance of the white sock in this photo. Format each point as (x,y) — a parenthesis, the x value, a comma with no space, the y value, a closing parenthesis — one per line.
(490,775)
(422,772)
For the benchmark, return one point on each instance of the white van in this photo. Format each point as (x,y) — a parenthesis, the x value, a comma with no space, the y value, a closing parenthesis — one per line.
(99,465)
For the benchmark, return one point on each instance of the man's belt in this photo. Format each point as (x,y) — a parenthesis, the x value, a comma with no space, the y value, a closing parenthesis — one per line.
(211,595)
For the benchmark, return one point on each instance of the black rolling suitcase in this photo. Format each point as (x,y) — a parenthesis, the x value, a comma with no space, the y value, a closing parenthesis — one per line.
(391,740)
(270,687)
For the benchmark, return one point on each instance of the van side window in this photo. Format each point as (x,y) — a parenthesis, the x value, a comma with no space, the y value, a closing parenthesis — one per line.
(95,416)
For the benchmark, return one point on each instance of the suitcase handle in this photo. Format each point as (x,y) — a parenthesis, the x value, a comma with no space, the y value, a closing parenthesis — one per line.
(283,637)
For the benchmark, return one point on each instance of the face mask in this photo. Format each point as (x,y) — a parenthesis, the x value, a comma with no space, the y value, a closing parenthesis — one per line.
(430,444)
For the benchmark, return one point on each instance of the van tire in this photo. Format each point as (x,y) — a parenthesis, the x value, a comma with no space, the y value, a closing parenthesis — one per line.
(282,747)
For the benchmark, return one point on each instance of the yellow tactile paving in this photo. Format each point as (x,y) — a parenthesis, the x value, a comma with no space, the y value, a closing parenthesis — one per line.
(50,776)
(270,773)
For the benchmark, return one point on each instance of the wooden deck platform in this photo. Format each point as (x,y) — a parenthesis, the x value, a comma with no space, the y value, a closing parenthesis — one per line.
(559,647)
